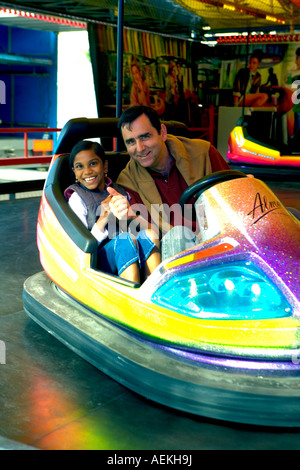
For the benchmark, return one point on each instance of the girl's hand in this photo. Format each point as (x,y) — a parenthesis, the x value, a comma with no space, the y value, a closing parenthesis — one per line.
(119,207)
(118,204)
(105,209)
(104,214)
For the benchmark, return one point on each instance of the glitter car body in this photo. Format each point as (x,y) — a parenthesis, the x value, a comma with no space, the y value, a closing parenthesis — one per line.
(213,331)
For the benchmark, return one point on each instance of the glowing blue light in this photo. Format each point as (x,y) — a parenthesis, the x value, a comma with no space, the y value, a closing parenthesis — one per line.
(230,291)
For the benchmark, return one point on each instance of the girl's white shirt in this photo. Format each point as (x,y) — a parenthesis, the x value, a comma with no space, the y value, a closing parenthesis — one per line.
(78,206)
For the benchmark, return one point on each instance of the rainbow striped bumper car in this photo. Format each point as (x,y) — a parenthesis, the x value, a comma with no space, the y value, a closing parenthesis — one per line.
(214,331)
(247,147)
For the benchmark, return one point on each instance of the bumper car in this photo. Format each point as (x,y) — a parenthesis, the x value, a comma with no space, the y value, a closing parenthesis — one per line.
(249,147)
(214,331)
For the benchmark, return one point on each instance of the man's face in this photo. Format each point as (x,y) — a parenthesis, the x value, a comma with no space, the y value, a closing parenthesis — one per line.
(144,144)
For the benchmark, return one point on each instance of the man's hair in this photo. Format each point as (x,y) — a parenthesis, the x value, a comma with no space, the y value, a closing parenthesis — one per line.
(133,112)
(86,145)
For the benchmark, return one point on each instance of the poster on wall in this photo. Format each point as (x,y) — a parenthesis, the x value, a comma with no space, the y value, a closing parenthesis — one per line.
(265,76)
(291,80)
(269,69)
(157,72)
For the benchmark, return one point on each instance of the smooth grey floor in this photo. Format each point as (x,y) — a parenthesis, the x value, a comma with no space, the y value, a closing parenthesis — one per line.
(52,399)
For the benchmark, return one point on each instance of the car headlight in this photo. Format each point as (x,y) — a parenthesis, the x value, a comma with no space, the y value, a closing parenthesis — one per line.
(237,290)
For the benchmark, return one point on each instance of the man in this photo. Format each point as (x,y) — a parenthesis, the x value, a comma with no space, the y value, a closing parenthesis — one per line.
(162,166)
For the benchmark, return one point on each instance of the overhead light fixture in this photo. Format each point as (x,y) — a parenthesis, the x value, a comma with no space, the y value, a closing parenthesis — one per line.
(10,12)
(229,7)
(258,38)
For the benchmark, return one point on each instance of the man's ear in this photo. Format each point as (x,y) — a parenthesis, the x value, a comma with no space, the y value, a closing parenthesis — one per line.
(105,167)
(163,132)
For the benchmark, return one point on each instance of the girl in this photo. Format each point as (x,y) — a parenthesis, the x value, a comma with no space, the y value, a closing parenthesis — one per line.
(99,203)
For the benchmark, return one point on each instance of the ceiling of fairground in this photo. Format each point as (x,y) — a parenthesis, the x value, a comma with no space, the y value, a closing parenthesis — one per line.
(183,18)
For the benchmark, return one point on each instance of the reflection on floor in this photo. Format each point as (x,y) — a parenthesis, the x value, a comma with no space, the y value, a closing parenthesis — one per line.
(52,399)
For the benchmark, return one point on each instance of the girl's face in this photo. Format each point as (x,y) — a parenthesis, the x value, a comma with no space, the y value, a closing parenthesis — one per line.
(136,74)
(90,170)
(253,64)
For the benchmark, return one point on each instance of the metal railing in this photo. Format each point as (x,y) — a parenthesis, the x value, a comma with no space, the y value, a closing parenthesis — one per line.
(41,158)
(26,159)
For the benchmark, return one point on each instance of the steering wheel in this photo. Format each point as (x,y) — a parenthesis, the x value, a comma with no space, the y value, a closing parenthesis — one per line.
(197,188)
